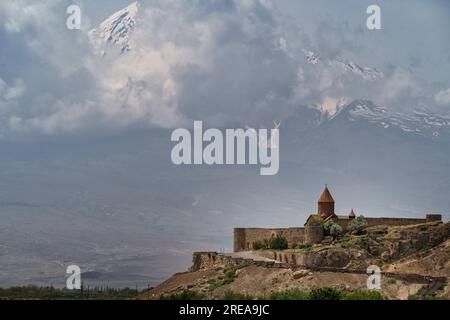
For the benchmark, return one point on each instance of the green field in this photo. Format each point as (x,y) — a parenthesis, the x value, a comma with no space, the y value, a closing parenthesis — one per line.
(50,293)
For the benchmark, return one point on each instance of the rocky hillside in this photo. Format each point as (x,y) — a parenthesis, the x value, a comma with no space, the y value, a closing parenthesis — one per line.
(415,262)
(429,261)
(388,244)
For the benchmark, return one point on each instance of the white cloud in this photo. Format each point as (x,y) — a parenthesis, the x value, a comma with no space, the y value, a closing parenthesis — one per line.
(399,82)
(223,62)
(443,97)
(11,92)
(16,15)
(9,95)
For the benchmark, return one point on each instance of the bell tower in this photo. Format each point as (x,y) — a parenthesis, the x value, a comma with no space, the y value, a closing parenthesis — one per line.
(326,204)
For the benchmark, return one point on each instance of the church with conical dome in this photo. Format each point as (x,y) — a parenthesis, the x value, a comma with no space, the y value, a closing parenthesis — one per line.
(314,231)
(326,212)
(326,204)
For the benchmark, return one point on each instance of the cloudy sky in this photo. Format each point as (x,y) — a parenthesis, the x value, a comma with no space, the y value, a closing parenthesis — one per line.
(224,62)
(82,178)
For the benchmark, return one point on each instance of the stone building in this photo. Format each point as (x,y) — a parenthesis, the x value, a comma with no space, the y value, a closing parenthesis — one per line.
(312,232)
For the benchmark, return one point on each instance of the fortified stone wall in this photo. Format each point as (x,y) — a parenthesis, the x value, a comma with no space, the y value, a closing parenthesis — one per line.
(372,222)
(213,260)
(244,238)
(313,234)
(210,260)
(393,222)
(336,258)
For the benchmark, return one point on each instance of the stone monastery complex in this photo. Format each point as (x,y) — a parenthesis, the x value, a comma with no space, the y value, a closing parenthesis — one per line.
(313,231)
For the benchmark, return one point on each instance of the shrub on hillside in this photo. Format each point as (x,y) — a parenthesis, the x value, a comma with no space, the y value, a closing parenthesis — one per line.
(275,243)
(379,231)
(325,294)
(290,294)
(186,295)
(358,226)
(315,222)
(229,275)
(305,246)
(356,242)
(278,243)
(333,229)
(232,296)
(327,225)
(363,295)
(258,245)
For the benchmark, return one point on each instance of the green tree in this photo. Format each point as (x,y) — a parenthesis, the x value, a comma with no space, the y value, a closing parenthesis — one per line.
(232,296)
(327,225)
(358,226)
(278,243)
(335,231)
(184,296)
(258,245)
(314,221)
(290,294)
(363,295)
(325,294)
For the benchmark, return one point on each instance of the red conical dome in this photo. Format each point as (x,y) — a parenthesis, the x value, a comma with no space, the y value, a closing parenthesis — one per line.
(326,196)
(326,204)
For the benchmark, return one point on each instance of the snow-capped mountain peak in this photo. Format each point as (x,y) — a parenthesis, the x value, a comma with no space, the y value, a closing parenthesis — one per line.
(311,57)
(366,109)
(365,72)
(344,65)
(115,34)
(418,123)
(116,30)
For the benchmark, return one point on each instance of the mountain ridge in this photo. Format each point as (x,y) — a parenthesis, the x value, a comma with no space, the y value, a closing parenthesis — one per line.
(116,29)
(116,32)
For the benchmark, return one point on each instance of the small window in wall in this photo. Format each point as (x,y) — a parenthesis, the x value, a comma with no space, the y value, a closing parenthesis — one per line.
(248,245)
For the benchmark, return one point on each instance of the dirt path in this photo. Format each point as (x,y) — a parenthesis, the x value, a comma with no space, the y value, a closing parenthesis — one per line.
(249,255)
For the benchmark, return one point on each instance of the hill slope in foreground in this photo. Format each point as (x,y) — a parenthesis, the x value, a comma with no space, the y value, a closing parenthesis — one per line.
(415,263)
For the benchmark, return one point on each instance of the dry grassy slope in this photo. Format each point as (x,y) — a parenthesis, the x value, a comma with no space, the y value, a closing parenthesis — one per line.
(196,281)
(433,262)
(400,242)
(261,282)
(446,293)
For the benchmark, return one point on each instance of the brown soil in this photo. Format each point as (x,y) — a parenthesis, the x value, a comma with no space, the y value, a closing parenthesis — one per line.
(180,282)
(432,262)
